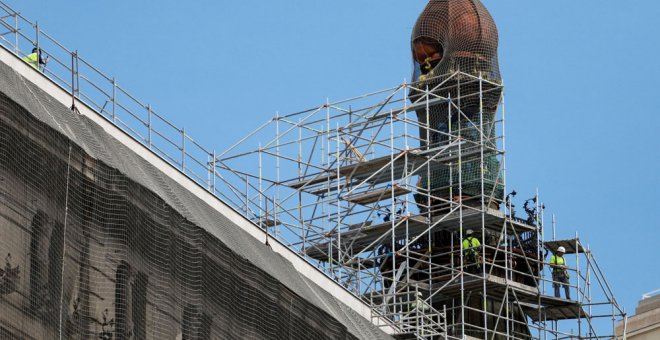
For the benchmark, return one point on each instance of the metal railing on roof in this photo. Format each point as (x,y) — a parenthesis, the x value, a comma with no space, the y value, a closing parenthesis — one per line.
(103,93)
(650,294)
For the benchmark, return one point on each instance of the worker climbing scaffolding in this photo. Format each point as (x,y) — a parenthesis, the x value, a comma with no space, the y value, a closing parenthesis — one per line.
(472,258)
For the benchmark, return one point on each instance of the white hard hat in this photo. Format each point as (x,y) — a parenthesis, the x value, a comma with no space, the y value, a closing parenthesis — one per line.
(419,293)
(469,232)
(561,250)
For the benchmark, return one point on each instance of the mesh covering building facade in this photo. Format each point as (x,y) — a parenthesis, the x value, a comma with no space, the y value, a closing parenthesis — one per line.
(101,240)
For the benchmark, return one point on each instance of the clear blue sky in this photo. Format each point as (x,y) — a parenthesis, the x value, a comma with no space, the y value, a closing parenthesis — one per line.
(582,82)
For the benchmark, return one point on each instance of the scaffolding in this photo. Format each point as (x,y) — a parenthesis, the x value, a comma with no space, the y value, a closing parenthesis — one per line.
(352,187)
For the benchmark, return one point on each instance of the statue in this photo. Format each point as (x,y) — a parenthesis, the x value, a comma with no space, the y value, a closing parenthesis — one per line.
(453,43)
(9,277)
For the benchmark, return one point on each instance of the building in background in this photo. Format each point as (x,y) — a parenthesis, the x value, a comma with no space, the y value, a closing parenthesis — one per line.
(645,324)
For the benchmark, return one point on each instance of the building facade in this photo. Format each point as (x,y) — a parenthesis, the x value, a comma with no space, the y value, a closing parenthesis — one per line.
(645,324)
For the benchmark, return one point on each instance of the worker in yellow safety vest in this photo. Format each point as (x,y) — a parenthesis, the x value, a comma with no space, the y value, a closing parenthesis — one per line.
(471,246)
(419,304)
(559,272)
(35,59)
(418,309)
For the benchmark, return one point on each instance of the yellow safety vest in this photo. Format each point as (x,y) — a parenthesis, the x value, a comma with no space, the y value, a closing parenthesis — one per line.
(471,242)
(32,59)
(559,261)
(419,305)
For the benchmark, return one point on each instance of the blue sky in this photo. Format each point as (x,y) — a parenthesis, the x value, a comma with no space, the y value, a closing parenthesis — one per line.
(583,108)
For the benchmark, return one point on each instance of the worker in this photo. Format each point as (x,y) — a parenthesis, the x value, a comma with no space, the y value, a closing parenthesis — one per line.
(419,304)
(471,252)
(559,272)
(36,59)
(418,309)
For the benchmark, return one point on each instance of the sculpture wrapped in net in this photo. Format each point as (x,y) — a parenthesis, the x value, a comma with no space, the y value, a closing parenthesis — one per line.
(454,42)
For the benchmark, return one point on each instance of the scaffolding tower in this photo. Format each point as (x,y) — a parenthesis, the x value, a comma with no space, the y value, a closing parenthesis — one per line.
(352,186)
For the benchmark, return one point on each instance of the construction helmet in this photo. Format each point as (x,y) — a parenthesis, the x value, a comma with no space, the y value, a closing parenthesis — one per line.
(469,232)
(561,250)
(419,293)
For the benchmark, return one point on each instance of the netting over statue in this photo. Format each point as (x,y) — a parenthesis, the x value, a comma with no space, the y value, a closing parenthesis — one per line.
(456,35)
(454,43)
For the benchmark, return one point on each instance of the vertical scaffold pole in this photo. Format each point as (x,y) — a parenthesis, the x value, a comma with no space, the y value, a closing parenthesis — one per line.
(392,212)
(338,162)
(504,190)
(213,171)
(261,193)
(277,174)
(588,279)
(300,173)
(507,267)
(36,41)
(149,127)
(73,80)
(405,204)
(211,175)
(483,205)
(183,150)
(114,104)
(247,196)
(460,205)
(16,33)
(77,74)
(328,202)
(426,182)
(538,243)
(371,150)
(541,242)
(453,268)
(577,279)
(538,225)
(405,117)
(264,221)
(324,220)
(209,161)
(74,73)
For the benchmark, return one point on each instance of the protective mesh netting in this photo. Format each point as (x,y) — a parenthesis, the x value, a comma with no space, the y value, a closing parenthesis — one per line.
(90,253)
(453,36)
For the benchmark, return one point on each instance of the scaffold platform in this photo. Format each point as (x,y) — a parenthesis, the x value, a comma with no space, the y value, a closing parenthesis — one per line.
(359,238)
(383,169)
(560,310)
(572,246)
